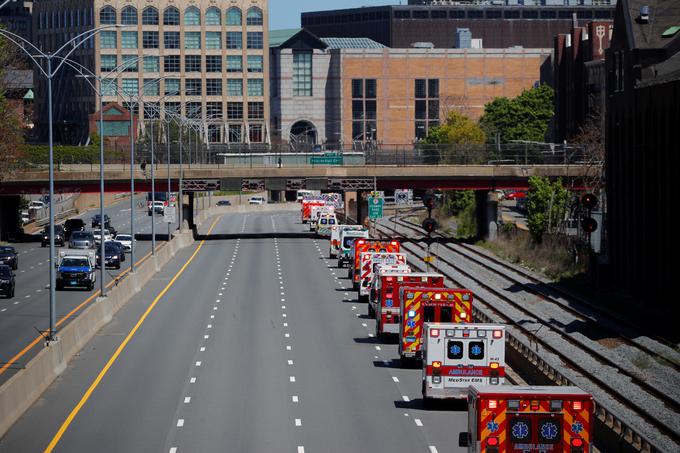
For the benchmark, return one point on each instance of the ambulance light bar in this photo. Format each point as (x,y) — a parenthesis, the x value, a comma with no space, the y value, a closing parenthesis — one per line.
(394,243)
(451,297)
(438,296)
(493,404)
(481,333)
(555,405)
(436,364)
(466,333)
(450,333)
(466,296)
(577,405)
(513,405)
(409,295)
(434,333)
(360,241)
(411,313)
(389,279)
(498,334)
(463,315)
(400,279)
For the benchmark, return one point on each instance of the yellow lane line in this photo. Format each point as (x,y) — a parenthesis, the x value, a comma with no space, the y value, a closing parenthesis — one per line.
(57,437)
(38,339)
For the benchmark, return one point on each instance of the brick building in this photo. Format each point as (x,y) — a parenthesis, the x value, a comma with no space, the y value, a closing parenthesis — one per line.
(361,92)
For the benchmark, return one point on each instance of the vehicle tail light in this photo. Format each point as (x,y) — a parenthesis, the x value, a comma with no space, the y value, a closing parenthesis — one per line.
(494,365)
(535,405)
(389,279)
(394,243)
(492,441)
(466,333)
(498,334)
(577,405)
(434,333)
(436,368)
(577,442)
(493,404)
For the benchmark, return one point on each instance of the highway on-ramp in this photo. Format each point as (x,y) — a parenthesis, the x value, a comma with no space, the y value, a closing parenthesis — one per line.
(243,345)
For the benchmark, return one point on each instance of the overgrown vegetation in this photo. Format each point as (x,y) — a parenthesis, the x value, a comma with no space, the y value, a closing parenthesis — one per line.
(461,205)
(547,204)
(10,120)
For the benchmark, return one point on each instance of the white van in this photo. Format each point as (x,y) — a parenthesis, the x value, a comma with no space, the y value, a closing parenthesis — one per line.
(257,200)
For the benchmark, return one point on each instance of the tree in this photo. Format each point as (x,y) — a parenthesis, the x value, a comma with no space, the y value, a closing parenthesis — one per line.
(547,203)
(525,117)
(591,139)
(457,129)
(10,120)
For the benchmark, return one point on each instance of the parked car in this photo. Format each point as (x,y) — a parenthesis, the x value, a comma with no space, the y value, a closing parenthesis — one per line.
(515,195)
(224,203)
(111,255)
(81,240)
(58,236)
(72,225)
(7,284)
(126,241)
(256,200)
(25,217)
(96,220)
(9,256)
(158,207)
(98,235)
(36,205)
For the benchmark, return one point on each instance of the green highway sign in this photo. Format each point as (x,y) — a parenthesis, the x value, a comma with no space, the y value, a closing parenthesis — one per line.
(375,207)
(326,159)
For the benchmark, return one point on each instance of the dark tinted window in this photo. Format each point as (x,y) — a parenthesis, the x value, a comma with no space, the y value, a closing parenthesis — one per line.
(5,272)
(446,314)
(511,14)
(476,350)
(402,14)
(421,14)
(548,14)
(438,14)
(6,250)
(428,314)
(493,14)
(454,350)
(530,14)
(457,14)
(475,14)
(347,243)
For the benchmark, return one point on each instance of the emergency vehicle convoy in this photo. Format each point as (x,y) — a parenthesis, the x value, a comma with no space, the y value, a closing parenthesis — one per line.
(421,305)
(346,246)
(336,231)
(458,355)
(370,261)
(324,224)
(385,300)
(368,245)
(306,209)
(514,419)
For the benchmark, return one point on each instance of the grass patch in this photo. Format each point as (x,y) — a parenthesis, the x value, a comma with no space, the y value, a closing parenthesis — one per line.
(224,193)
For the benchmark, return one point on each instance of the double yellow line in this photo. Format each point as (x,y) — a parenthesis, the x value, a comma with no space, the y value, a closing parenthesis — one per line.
(64,426)
(38,339)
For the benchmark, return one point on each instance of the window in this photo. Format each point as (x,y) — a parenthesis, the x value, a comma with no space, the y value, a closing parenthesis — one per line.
(475,14)
(194,110)
(173,108)
(171,63)
(254,40)
(130,87)
(171,16)
(152,110)
(192,40)
(192,16)
(548,14)
(130,63)
(255,134)
(150,16)
(192,63)
(234,40)
(493,14)
(151,64)
(150,39)
(108,63)
(234,87)
(234,63)
(454,350)
(213,87)
(438,14)
(235,135)
(511,14)
(152,87)
(129,15)
(109,87)
(107,16)
(421,14)
(192,87)
(457,14)
(129,39)
(213,16)
(213,63)
(531,14)
(256,110)
(171,87)
(234,16)
(214,132)
(171,39)
(426,106)
(255,87)
(302,73)
(213,40)
(364,109)
(402,14)
(131,107)
(476,350)
(235,111)
(213,110)
(255,63)
(107,40)
(254,16)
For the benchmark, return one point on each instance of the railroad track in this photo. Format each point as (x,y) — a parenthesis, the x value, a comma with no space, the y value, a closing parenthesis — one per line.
(553,336)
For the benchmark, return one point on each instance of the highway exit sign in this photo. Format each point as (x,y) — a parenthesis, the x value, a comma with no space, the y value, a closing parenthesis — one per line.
(375,207)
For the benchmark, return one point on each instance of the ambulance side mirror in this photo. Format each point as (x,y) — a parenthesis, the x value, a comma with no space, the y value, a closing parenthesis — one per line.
(464,439)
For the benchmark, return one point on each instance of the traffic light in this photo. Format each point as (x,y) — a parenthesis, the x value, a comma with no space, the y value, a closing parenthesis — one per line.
(430,225)
(589,201)
(589,225)
(429,200)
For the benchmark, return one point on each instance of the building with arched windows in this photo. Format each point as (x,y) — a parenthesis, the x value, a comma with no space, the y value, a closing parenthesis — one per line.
(204,60)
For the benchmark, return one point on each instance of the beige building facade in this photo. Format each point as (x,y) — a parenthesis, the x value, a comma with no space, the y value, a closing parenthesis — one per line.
(203,60)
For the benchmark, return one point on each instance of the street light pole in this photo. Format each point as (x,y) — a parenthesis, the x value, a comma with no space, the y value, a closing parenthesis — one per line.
(153,195)
(53,269)
(167,144)
(181,175)
(132,189)
(102,223)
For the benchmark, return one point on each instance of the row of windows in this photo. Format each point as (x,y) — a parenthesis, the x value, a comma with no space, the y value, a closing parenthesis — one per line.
(73,18)
(171,16)
(172,40)
(213,110)
(192,87)
(458,14)
(172,63)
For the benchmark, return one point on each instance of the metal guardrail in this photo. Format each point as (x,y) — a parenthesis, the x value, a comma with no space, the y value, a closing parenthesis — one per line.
(61,215)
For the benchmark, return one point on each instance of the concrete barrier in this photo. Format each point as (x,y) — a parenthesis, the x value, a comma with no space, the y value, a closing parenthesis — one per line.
(24,388)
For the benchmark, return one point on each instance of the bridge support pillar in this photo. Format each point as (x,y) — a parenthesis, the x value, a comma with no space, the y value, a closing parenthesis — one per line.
(487,214)
(9,217)
(188,210)
(362,211)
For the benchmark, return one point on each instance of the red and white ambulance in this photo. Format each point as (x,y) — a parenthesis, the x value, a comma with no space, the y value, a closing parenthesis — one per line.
(516,419)
(368,245)
(385,301)
(316,213)
(421,305)
(457,355)
(370,261)
(306,209)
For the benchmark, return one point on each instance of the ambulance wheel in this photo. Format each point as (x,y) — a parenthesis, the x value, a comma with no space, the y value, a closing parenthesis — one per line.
(378,335)
(371,311)
(355,286)
(340,264)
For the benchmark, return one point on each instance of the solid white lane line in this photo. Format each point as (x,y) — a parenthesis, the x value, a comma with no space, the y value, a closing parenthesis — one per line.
(173,450)
(180,422)
(301,449)
(395,379)
(418,422)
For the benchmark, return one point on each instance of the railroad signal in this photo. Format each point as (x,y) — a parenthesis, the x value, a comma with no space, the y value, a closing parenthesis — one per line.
(589,201)
(589,225)
(430,225)
(429,200)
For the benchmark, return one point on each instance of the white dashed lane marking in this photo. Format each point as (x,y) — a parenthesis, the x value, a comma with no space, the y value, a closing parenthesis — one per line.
(418,422)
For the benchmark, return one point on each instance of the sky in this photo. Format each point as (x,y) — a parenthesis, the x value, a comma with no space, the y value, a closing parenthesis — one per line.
(286,13)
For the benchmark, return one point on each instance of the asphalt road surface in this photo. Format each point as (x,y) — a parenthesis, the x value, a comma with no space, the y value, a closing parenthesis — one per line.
(258,345)
(22,316)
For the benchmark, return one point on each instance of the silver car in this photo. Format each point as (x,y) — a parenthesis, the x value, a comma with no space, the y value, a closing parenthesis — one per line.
(81,240)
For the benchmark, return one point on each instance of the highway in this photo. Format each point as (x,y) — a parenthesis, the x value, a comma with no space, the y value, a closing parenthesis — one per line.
(29,309)
(247,345)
